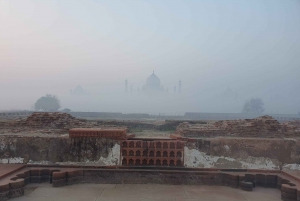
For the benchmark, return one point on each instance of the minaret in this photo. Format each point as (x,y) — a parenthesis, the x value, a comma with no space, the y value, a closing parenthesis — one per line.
(126,85)
(179,86)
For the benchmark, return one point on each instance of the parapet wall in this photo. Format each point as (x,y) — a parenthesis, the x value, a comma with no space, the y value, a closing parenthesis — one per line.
(13,184)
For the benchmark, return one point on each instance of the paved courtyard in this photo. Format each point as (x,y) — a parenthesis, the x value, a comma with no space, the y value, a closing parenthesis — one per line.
(144,192)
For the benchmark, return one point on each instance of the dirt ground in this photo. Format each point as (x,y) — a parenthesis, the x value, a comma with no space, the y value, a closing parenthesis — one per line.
(144,192)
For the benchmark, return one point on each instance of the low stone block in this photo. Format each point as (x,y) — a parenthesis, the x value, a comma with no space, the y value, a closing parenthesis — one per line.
(26,181)
(4,188)
(46,178)
(17,184)
(75,173)
(74,180)
(288,197)
(4,196)
(35,172)
(59,183)
(13,193)
(249,178)
(59,175)
(35,179)
(260,180)
(246,186)
(286,188)
(298,194)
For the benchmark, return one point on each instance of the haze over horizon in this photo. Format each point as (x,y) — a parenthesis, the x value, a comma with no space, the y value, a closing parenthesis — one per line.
(251,48)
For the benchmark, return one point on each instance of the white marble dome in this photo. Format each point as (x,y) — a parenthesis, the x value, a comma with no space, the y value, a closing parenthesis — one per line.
(153,81)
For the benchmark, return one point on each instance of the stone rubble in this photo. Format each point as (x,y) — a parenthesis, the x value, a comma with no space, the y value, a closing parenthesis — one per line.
(54,120)
(264,126)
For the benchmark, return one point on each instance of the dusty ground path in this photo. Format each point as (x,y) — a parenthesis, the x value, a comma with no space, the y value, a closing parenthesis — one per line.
(144,192)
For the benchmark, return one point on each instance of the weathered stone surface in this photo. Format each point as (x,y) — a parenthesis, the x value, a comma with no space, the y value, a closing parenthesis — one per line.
(4,196)
(264,126)
(60,149)
(59,183)
(247,153)
(49,120)
(16,193)
(246,186)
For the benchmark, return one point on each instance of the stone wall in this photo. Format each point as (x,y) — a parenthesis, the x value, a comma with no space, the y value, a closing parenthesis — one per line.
(59,150)
(207,153)
(241,153)
(264,126)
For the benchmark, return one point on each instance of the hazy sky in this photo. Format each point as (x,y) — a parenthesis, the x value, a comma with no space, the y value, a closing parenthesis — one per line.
(253,47)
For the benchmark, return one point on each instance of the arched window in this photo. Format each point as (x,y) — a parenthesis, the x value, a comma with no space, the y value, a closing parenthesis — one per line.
(131,144)
(179,145)
(172,163)
(138,162)
(144,162)
(165,163)
(151,162)
(158,162)
(124,144)
(130,162)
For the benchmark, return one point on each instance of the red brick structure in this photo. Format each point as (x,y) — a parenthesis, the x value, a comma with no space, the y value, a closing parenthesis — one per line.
(99,133)
(152,153)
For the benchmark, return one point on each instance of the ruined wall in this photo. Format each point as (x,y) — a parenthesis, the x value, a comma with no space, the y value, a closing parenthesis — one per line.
(206,153)
(60,150)
(264,126)
(242,153)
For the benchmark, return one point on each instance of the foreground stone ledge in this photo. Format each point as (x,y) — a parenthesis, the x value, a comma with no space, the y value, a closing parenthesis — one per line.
(13,184)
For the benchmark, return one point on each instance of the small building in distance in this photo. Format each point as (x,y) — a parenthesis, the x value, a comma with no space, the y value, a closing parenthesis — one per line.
(153,85)
(78,91)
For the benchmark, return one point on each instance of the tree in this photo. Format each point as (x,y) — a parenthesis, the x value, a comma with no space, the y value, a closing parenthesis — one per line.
(47,103)
(254,105)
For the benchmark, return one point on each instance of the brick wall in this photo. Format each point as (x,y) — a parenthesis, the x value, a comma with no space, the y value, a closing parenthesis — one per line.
(153,153)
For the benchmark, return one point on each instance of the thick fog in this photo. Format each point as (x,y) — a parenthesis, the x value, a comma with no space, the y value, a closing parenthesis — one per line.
(224,53)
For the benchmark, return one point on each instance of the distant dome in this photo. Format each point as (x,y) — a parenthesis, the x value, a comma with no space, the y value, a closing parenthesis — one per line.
(153,81)
(78,91)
